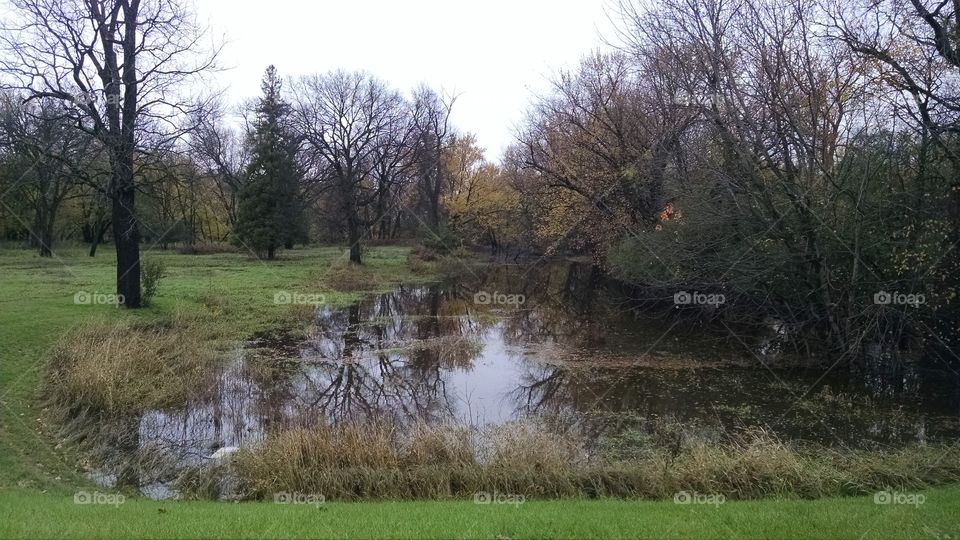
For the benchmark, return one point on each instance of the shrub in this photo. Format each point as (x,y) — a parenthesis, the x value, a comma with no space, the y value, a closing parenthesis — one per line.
(151,272)
(423,253)
(442,240)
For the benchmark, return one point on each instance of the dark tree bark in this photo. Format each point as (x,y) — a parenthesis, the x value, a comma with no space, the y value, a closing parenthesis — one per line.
(113,65)
(98,237)
(46,234)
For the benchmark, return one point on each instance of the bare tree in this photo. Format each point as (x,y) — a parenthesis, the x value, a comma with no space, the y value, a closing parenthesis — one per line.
(600,147)
(345,119)
(221,155)
(117,63)
(434,136)
(55,159)
(393,171)
(913,45)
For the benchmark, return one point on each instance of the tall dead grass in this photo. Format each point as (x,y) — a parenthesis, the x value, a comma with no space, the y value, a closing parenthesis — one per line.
(441,462)
(344,276)
(124,368)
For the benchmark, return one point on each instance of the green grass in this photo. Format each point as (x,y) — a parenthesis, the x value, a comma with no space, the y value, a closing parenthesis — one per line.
(233,293)
(58,517)
(38,477)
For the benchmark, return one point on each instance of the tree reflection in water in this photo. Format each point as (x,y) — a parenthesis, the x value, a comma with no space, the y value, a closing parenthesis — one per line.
(431,354)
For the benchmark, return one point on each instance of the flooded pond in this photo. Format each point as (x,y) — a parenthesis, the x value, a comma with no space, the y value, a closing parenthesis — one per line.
(549,342)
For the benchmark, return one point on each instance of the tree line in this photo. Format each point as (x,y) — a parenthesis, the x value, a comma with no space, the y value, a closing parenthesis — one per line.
(798,156)
(103,138)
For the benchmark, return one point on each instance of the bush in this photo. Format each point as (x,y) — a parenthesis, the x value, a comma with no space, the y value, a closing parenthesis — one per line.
(443,240)
(423,253)
(151,272)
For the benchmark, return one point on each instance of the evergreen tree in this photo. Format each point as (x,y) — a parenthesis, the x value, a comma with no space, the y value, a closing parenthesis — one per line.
(270,212)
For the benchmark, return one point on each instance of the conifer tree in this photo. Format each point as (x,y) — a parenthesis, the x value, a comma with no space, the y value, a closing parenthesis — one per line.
(270,210)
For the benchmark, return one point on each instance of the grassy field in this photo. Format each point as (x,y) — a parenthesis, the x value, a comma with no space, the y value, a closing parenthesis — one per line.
(233,292)
(58,517)
(39,478)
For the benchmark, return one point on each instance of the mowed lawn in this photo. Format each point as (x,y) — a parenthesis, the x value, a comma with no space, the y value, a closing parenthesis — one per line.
(32,515)
(39,478)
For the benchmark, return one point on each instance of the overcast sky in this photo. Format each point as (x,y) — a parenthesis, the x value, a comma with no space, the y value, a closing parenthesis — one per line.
(494,53)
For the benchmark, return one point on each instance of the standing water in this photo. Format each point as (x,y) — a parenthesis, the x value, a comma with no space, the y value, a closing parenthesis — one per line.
(521,343)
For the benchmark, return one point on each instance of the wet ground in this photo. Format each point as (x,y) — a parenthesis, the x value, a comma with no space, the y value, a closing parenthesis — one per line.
(553,341)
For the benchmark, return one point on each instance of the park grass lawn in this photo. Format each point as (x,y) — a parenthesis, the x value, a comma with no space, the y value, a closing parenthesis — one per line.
(32,515)
(232,294)
(38,478)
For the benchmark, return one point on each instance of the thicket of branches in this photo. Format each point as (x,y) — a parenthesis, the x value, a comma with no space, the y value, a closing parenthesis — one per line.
(799,156)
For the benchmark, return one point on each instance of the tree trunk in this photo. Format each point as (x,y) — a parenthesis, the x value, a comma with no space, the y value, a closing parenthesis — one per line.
(434,210)
(98,232)
(46,239)
(86,233)
(353,220)
(45,221)
(353,233)
(126,239)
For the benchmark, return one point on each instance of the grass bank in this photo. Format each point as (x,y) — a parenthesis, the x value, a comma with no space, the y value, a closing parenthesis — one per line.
(40,516)
(225,297)
(219,298)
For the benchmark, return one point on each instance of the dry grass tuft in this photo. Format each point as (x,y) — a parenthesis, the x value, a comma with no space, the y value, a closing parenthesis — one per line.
(442,462)
(423,253)
(345,276)
(123,368)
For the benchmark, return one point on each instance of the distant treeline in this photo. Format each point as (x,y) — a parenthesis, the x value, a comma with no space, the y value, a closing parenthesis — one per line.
(799,157)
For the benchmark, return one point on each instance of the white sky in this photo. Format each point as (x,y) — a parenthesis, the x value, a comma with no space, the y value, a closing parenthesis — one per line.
(494,53)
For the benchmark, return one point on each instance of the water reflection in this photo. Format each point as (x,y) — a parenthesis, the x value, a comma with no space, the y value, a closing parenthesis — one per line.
(571,350)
